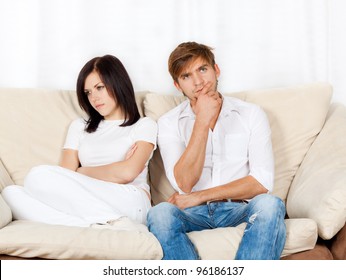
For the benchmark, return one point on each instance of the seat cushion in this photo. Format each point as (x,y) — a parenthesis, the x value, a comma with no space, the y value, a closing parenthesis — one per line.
(29,240)
(223,243)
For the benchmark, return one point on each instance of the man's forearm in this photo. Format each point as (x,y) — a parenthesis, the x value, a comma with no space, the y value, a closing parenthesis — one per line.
(189,167)
(243,188)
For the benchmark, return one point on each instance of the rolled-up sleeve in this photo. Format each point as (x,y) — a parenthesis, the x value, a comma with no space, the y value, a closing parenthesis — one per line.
(171,147)
(261,159)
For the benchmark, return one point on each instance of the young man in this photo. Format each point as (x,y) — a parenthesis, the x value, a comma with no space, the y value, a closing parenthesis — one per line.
(218,156)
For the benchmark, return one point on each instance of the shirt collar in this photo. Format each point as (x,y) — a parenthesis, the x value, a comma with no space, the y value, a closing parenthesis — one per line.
(186,110)
(228,106)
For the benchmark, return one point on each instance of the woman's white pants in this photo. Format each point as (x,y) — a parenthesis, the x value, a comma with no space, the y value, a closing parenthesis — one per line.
(55,195)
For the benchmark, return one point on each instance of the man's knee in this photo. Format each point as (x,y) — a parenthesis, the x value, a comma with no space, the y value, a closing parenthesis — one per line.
(162,215)
(269,204)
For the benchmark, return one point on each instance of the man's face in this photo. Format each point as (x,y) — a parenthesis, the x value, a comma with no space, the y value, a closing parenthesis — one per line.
(195,76)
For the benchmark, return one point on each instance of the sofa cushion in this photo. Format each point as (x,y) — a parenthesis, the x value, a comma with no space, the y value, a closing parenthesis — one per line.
(33,127)
(222,243)
(296,116)
(5,213)
(30,239)
(5,178)
(318,191)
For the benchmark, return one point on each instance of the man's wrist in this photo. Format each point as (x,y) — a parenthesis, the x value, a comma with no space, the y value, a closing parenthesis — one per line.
(200,197)
(201,123)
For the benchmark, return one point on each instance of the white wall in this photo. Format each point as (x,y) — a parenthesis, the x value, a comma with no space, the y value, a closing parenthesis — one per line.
(258,43)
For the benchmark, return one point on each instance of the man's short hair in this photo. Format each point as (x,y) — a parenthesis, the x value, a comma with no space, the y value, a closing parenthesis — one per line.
(185,53)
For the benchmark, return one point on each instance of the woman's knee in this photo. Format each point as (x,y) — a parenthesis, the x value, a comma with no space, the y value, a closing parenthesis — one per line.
(12,195)
(10,191)
(38,174)
(41,169)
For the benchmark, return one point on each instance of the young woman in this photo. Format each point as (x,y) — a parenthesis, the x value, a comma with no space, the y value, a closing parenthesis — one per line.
(101,180)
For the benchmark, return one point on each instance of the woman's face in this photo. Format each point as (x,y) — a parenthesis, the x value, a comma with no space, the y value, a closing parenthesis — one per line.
(100,99)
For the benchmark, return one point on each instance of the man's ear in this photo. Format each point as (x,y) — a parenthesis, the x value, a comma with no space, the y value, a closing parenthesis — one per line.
(176,84)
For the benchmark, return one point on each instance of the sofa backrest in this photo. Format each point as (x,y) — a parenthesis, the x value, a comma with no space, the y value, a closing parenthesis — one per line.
(33,127)
(34,122)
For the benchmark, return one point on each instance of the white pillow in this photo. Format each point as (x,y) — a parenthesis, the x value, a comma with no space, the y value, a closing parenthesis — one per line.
(318,191)
(5,213)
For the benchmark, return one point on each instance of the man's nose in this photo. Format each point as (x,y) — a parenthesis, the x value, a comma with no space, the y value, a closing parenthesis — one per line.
(197,80)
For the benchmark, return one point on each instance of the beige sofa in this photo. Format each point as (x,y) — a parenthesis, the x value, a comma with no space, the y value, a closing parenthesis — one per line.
(308,136)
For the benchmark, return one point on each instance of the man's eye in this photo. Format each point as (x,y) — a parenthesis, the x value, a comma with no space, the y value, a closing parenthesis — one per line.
(203,69)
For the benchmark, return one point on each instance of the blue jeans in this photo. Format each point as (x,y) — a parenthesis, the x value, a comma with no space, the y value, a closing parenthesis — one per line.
(264,236)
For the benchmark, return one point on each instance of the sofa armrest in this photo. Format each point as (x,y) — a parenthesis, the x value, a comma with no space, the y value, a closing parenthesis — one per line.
(338,245)
(5,179)
(318,190)
(5,213)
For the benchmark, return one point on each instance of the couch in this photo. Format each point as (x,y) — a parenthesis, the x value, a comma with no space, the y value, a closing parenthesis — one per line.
(308,135)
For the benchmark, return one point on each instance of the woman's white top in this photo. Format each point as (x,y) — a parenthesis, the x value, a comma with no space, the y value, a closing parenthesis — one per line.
(110,142)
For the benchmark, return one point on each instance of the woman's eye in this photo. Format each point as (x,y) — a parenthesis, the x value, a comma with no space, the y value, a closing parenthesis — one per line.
(86,92)
(100,87)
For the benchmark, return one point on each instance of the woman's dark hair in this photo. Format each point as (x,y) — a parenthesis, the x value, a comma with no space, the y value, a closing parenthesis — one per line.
(118,84)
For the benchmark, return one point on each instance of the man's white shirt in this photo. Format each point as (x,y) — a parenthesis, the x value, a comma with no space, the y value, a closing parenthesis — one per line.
(239,145)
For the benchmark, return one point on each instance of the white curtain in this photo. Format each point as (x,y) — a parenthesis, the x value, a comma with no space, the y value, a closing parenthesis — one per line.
(258,43)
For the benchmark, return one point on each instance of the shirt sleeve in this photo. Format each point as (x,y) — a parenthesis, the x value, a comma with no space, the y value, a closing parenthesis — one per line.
(261,158)
(146,130)
(171,147)
(74,134)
